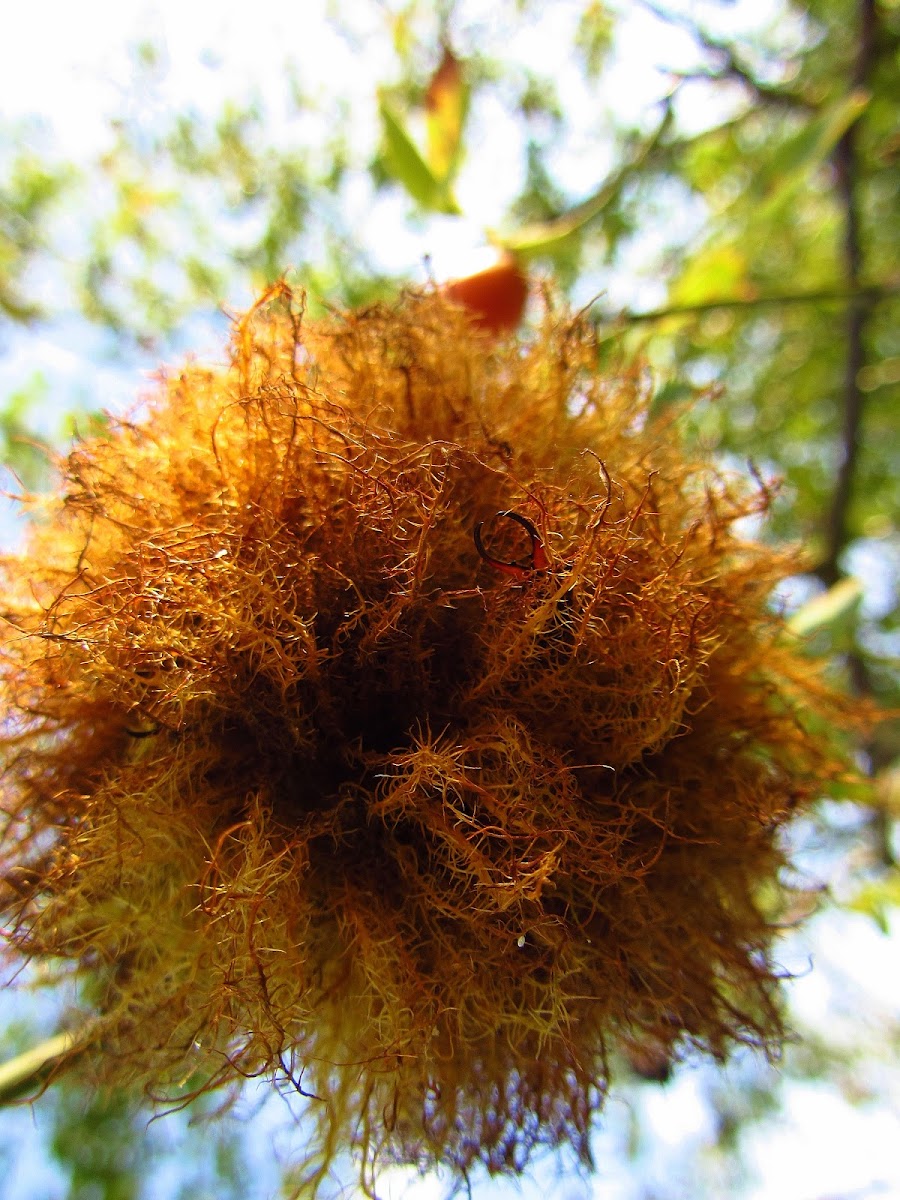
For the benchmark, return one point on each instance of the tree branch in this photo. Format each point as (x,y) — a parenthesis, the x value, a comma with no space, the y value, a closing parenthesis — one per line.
(859,307)
(858,314)
(865,294)
(731,67)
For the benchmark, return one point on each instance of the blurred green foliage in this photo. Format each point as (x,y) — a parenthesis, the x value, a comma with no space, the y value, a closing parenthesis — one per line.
(780,278)
(30,189)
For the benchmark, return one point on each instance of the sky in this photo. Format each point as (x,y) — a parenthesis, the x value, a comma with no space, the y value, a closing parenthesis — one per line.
(70,64)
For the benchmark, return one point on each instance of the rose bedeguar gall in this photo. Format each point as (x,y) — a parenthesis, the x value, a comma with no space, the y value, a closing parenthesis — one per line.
(402,712)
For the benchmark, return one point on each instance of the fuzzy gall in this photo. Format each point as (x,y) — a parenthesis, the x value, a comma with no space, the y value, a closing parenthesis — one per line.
(402,712)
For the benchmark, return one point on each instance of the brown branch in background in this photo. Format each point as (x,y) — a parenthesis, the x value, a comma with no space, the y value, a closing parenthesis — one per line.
(730,66)
(858,314)
(859,300)
(867,295)
(859,307)
(733,71)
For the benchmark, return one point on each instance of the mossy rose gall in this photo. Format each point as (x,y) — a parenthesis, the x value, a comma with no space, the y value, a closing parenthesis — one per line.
(402,711)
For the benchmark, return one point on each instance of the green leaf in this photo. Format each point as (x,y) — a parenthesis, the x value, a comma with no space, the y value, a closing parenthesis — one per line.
(27,1070)
(548,237)
(827,609)
(879,899)
(787,170)
(714,273)
(404,163)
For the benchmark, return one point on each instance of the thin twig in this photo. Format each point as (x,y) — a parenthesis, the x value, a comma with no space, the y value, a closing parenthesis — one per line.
(732,67)
(866,294)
